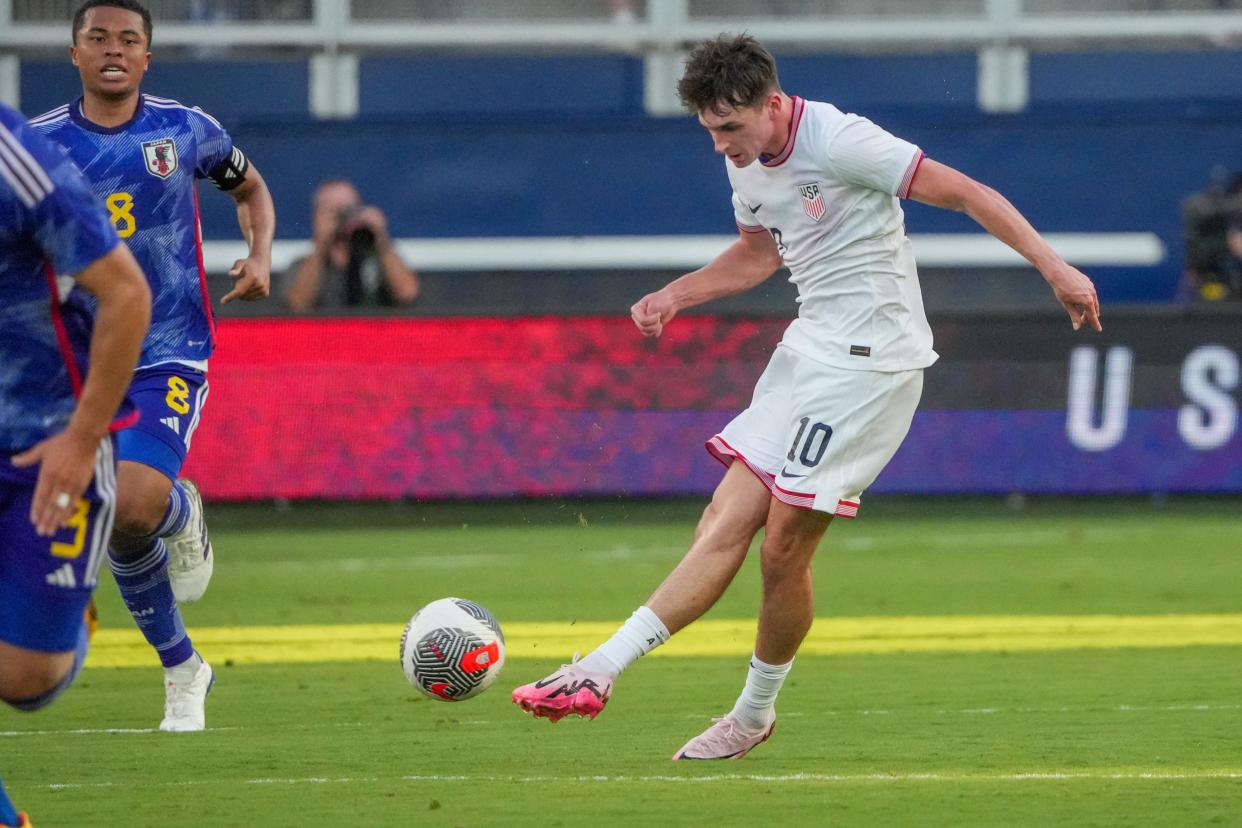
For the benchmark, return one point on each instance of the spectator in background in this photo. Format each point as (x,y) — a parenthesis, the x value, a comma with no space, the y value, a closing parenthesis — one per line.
(623,12)
(1233,236)
(1213,235)
(353,263)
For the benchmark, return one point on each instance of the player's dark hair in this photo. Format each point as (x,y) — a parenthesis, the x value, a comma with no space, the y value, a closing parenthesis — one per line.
(728,72)
(128,5)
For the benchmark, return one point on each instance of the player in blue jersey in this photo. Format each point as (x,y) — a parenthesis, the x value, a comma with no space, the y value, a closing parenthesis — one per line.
(57,466)
(143,156)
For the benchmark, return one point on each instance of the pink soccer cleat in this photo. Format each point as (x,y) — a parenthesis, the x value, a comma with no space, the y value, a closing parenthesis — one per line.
(570,689)
(727,738)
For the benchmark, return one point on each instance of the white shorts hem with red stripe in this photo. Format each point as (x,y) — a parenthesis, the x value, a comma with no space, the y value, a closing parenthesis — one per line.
(816,435)
(726,454)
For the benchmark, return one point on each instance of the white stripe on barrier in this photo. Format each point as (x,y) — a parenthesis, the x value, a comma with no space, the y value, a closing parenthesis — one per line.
(657,252)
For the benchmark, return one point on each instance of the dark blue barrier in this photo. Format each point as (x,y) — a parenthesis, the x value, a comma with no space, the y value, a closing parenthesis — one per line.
(475,147)
(573,85)
(231,90)
(1139,76)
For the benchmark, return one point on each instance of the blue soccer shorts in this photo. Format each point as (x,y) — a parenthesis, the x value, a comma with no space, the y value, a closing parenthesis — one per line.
(45,583)
(170,400)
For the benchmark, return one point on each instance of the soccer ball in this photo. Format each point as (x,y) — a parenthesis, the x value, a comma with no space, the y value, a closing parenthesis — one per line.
(452,649)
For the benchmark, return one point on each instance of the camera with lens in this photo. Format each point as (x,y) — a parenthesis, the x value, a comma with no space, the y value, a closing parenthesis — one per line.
(348,229)
(364,277)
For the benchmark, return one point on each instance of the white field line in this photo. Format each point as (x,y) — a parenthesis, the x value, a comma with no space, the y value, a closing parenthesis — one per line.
(1227,774)
(987,711)
(850,540)
(468,560)
(977,711)
(125,731)
(86,731)
(411,562)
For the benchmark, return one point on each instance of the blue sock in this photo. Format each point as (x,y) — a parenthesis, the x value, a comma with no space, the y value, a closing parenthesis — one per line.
(143,580)
(8,814)
(177,513)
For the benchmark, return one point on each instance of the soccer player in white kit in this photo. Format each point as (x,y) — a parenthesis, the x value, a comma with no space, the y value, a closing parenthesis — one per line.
(817,190)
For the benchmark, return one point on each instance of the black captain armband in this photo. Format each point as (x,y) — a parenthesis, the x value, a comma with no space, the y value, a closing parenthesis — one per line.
(230,172)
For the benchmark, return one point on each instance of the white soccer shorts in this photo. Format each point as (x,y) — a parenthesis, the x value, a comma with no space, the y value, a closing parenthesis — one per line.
(817,436)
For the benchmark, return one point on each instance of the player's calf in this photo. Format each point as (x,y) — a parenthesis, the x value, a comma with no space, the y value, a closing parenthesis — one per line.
(145,588)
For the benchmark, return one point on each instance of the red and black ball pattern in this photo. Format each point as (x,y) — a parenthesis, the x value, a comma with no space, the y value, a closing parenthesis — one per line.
(452,649)
(451,663)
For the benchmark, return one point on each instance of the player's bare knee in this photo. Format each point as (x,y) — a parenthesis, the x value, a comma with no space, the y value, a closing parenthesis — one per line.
(724,534)
(708,519)
(783,557)
(25,689)
(137,516)
(712,528)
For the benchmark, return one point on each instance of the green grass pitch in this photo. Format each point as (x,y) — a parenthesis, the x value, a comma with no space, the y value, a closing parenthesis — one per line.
(1127,736)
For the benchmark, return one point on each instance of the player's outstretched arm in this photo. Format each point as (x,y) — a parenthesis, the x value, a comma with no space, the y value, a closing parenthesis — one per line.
(942,186)
(256,214)
(745,263)
(67,460)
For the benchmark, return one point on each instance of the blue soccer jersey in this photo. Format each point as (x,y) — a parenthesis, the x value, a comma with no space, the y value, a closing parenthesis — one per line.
(50,229)
(144,173)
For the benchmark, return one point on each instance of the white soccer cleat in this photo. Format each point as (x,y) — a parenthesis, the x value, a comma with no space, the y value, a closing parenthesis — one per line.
(727,738)
(185,701)
(190,561)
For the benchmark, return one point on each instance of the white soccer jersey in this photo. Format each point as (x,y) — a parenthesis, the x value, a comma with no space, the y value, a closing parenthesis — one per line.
(829,199)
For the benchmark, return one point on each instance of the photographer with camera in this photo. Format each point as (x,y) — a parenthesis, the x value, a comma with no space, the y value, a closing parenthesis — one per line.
(353,263)
(1212,221)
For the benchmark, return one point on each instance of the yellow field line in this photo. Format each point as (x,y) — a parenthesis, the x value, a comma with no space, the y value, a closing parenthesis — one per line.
(829,636)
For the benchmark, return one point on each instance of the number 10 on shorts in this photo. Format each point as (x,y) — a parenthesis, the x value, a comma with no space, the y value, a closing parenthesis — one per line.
(813,440)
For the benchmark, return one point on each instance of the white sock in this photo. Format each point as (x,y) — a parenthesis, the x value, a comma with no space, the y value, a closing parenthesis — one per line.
(757,704)
(641,634)
(184,672)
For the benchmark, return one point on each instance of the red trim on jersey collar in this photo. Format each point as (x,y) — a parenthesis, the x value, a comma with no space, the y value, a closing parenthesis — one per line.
(795,121)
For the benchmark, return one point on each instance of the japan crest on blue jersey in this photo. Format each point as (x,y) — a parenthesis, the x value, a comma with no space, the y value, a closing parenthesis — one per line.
(144,173)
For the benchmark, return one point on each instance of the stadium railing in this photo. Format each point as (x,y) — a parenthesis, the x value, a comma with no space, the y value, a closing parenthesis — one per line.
(332,32)
(335,34)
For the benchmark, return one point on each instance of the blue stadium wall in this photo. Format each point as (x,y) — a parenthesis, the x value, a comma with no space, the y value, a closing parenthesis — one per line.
(559,145)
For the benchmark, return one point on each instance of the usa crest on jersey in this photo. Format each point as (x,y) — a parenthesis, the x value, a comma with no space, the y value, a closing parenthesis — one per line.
(812,201)
(161,157)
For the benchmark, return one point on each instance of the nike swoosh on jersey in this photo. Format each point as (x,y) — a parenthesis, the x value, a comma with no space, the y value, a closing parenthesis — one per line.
(754,209)
(786,473)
